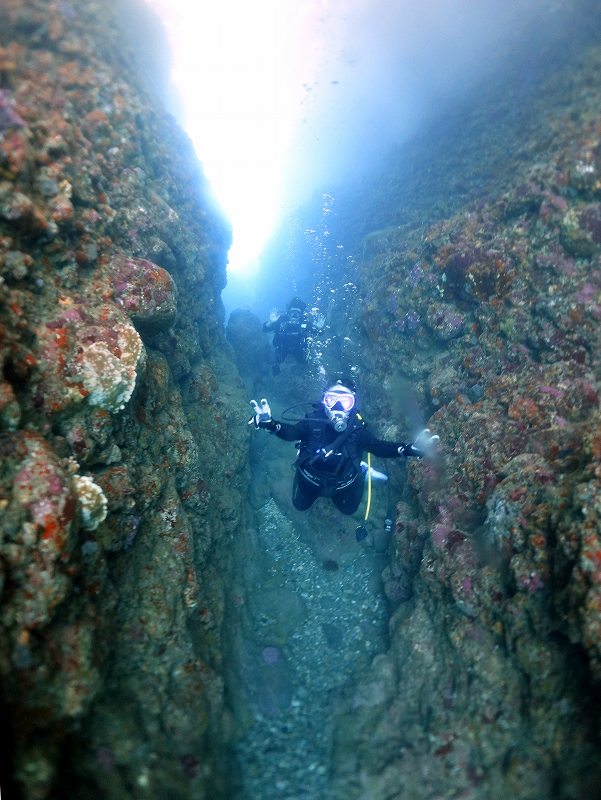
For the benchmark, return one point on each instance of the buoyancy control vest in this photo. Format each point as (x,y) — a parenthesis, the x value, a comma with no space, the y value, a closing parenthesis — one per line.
(294,330)
(329,463)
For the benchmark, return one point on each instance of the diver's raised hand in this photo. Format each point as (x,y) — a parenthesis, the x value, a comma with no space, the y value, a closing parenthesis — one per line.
(274,315)
(320,321)
(262,413)
(424,445)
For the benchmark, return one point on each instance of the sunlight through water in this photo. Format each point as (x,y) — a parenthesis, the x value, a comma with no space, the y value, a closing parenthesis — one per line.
(242,75)
(282,98)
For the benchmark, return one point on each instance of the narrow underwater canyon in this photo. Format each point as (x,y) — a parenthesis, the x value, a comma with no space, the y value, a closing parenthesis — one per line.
(171,627)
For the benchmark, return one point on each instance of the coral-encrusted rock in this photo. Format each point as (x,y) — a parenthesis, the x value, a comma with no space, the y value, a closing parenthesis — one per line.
(15,264)
(14,151)
(87,353)
(581,230)
(145,291)
(445,321)
(584,174)
(578,567)
(10,411)
(517,520)
(245,334)
(18,210)
(39,513)
(444,383)
(9,118)
(472,274)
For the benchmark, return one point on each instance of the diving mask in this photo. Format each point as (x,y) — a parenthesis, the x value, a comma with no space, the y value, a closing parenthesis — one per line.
(338,402)
(342,396)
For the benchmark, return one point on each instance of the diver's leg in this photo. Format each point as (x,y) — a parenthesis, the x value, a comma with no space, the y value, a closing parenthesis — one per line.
(304,494)
(302,354)
(347,500)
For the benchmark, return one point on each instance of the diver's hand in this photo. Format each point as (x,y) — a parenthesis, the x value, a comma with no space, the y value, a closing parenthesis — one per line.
(262,413)
(320,321)
(424,445)
(274,315)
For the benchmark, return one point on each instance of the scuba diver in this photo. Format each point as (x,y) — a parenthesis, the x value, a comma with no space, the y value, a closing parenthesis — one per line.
(291,331)
(330,444)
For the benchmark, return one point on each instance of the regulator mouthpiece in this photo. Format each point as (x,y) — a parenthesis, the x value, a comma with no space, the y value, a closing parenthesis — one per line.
(339,424)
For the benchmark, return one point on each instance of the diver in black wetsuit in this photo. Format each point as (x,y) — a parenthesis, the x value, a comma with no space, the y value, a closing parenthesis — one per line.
(331,442)
(291,331)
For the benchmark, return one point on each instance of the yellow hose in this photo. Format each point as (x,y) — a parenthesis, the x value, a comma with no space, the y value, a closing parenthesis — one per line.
(368,487)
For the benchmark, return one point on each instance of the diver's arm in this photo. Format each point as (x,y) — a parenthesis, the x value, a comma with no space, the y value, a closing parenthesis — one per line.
(284,430)
(424,445)
(379,447)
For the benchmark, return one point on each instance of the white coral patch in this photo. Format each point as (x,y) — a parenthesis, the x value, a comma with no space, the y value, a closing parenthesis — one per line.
(91,502)
(109,379)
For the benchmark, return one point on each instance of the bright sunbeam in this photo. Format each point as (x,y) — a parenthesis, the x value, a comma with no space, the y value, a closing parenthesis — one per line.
(284,97)
(236,70)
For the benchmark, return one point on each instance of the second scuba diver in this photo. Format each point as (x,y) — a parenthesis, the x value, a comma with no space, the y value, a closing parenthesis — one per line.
(331,442)
(291,331)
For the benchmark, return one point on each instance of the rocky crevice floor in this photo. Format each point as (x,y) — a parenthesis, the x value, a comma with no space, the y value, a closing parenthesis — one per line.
(310,614)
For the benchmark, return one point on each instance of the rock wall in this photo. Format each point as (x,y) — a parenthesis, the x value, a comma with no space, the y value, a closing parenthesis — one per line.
(490,316)
(116,400)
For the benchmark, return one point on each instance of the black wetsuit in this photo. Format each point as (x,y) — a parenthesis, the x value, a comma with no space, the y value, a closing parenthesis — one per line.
(329,463)
(290,337)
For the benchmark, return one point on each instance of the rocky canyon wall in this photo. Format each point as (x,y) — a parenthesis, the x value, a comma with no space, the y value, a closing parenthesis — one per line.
(488,317)
(116,399)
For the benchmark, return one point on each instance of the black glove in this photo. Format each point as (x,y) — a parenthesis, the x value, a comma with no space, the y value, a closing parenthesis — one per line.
(262,415)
